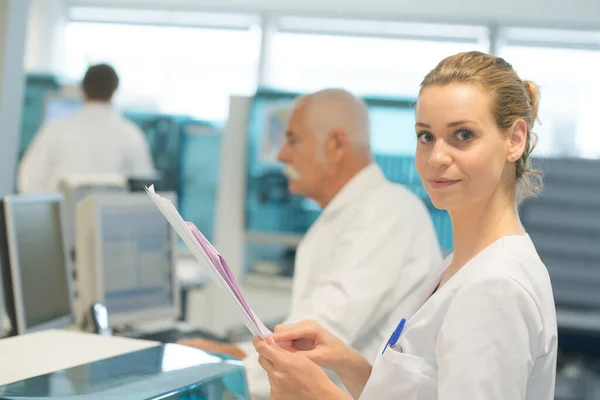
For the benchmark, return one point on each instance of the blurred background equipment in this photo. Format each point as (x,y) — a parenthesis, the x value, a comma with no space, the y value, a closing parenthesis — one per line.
(37,273)
(210,85)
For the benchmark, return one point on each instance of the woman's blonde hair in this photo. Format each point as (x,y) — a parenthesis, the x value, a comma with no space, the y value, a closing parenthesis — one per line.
(513,99)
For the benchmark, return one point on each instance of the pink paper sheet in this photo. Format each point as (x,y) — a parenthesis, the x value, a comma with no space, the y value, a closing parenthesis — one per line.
(221,265)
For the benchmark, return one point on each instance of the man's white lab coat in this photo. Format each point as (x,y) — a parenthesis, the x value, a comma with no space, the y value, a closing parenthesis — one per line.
(371,247)
(95,140)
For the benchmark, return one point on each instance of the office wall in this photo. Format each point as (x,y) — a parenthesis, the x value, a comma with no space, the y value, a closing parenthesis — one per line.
(553,13)
(45,29)
(13,17)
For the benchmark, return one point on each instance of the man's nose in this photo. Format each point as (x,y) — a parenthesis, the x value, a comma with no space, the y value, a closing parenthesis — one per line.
(283,154)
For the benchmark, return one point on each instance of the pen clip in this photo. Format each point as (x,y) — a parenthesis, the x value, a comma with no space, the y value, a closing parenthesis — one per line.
(395,335)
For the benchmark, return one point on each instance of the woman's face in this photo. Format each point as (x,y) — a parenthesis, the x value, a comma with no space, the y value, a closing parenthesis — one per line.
(462,156)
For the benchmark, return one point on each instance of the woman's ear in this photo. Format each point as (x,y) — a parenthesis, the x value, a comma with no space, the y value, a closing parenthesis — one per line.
(517,140)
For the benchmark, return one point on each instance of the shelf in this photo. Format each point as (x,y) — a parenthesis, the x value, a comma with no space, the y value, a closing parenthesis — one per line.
(578,320)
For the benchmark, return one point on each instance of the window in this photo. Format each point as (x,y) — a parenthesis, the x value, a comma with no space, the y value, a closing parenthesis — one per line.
(365,57)
(565,65)
(169,69)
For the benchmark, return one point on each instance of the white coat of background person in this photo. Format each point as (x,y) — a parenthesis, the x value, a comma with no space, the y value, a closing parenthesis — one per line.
(94,140)
(484,325)
(373,244)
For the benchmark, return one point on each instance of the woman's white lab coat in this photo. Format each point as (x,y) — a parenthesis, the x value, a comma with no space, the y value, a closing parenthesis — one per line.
(370,248)
(489,333)
(95,140)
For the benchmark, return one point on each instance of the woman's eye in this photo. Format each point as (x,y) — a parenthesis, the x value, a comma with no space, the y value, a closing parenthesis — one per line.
(464,134)
(425,137)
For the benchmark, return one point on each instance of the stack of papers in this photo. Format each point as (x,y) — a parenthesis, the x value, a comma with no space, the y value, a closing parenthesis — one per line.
(208,256)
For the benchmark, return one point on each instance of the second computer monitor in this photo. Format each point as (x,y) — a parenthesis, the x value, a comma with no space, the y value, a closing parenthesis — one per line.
(36,269)
(75,187)
(126,258)
(57,107)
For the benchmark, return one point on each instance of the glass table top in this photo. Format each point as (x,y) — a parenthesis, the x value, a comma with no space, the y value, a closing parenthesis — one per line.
(165,372)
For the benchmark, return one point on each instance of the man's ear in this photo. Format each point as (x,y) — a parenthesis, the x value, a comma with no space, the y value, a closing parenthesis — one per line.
(337,145)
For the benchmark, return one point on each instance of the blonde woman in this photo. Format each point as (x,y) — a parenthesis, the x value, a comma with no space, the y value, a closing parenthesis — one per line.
(484,325)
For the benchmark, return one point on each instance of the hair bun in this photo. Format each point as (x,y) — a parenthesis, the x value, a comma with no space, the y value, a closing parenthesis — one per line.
(533,91)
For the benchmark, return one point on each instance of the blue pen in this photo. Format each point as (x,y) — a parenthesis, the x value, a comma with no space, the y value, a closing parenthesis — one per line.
(395,335)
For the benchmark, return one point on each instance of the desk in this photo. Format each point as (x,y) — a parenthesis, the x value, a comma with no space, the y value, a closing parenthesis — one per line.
(43,352)
(65,365)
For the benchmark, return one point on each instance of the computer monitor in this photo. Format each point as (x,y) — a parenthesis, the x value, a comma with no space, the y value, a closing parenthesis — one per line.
(126,258)
(75,187)
(36,269)
(5,325)
(4,321)
(57,107)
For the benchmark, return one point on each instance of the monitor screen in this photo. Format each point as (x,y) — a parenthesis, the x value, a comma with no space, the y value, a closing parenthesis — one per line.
(39,259)
(4,321)
(60,107)
(136,258)
(74,192)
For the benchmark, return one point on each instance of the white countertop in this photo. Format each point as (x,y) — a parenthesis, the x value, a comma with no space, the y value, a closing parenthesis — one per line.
(39,353)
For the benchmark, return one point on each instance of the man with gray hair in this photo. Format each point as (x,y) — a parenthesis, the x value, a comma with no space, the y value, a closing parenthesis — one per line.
(370,248)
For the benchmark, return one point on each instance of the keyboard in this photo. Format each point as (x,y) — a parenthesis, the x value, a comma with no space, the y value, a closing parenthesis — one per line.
(173,335)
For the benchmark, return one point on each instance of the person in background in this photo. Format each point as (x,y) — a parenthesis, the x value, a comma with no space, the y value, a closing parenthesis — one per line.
(484,326)
(94,140)
(371,247)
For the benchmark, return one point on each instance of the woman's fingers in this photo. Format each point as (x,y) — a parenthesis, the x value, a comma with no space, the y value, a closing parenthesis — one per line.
(268,349)
(266,364)
(303,345)
(286,327)
(286,345)
(295,332)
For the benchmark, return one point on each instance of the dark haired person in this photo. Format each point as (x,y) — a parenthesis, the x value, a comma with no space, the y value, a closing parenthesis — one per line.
(94,140)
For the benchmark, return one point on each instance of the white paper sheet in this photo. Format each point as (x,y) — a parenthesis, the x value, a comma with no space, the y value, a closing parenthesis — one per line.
(208,256)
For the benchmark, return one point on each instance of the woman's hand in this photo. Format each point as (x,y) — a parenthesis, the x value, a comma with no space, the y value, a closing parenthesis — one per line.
(313,342)
(293,376)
